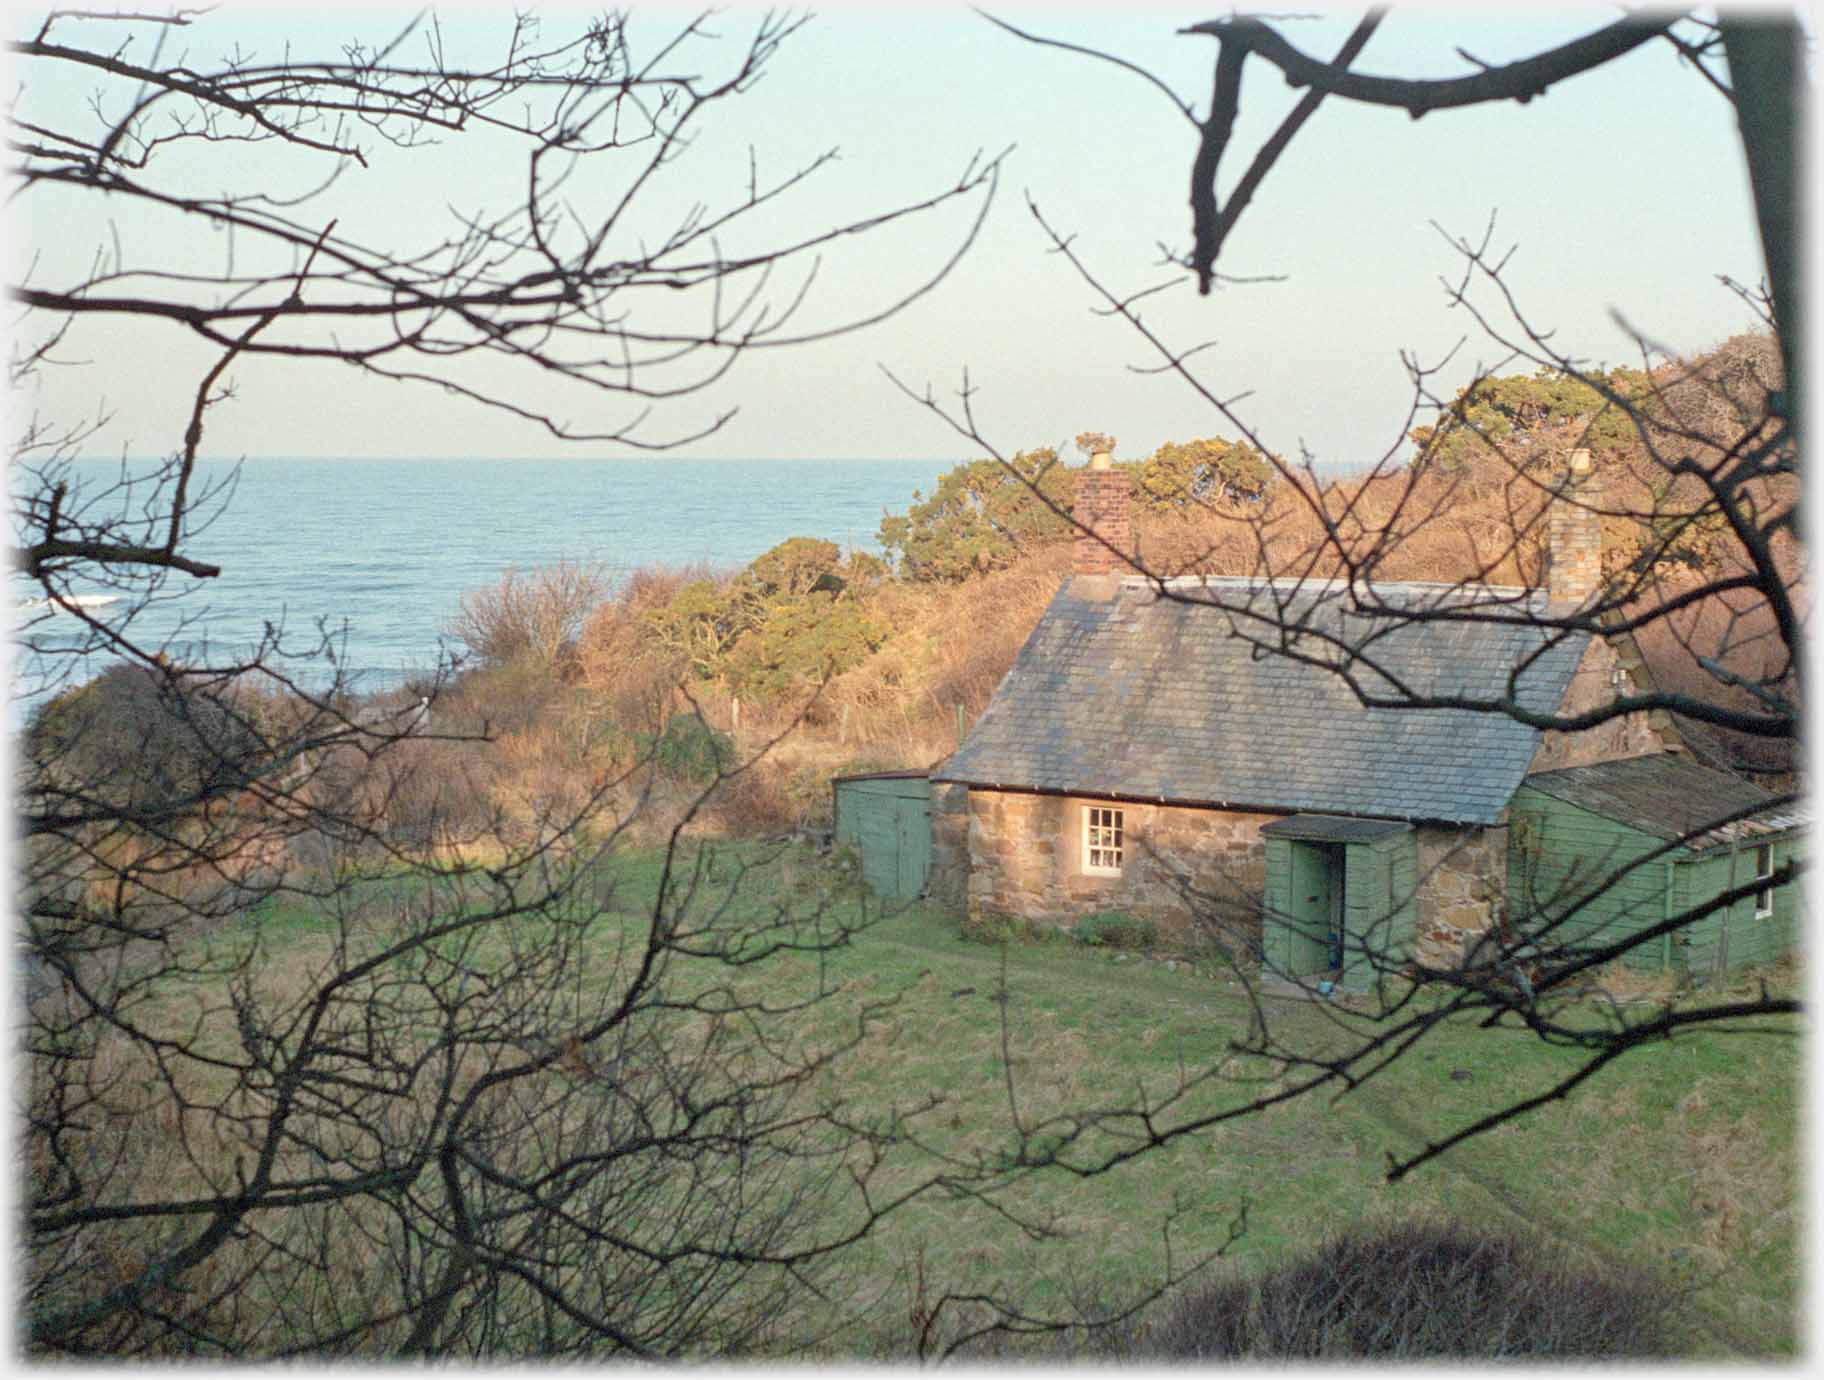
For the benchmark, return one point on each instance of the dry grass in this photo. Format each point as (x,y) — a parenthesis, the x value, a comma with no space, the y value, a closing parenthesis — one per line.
(950,647)
(1623,983)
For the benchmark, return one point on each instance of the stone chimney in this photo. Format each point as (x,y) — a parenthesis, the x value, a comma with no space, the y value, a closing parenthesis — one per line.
(1102,506)
(1573,560)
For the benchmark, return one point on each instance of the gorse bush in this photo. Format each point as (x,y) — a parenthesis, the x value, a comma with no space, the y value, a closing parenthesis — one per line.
(788,622)
(1501,412)
(1423,1290)
(689,749)
(1198,475)
(982,516)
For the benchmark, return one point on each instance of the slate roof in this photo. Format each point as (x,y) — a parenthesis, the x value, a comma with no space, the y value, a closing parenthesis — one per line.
(1155,699)
(1671,797)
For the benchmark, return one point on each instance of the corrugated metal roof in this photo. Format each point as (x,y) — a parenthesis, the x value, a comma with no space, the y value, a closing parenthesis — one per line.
(1161,699)
(1673,798)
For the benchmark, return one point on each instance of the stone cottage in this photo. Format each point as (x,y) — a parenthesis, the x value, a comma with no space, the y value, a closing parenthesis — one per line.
(1201,757)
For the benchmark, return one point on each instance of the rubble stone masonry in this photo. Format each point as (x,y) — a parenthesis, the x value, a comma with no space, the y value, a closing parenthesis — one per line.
(1462,880)
(1192,872)
(1593,686)
(947,879)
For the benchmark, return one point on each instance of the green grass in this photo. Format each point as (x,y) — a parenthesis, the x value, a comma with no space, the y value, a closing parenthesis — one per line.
(1680,1157)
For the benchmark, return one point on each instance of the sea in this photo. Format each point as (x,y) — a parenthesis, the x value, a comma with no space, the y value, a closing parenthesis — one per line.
(380,552)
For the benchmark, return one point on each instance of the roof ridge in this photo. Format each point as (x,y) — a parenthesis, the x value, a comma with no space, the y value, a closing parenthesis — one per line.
(1330,584)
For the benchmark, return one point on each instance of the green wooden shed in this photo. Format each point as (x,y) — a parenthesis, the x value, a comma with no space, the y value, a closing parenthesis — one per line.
(1339,889)
(1615,848)
(886,815)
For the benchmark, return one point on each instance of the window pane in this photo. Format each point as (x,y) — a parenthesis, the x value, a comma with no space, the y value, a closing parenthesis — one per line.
(1102,838)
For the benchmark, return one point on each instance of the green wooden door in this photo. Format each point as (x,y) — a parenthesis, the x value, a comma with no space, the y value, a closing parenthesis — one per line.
(1381,911)
(889,820)
(877,832)
(912,821)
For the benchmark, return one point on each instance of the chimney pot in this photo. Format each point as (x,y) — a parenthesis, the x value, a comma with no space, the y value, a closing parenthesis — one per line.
(1099,460)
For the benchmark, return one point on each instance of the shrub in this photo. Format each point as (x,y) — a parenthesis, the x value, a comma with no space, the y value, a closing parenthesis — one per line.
(1408,1290)
(141,739)
(982,516)
(532,617)
(795,567)
(996,927)
(510,698)
(1191,475)
(1114,929)
(689,749)
(798,644)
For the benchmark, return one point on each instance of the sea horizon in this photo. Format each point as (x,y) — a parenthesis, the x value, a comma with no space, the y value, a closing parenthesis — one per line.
(381,550)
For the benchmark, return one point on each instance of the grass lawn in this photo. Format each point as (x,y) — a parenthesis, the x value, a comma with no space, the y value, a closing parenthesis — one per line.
(1682,1156)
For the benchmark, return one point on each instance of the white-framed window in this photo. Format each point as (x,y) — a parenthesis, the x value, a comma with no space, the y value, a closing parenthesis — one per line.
(1104,840)
(1763,873)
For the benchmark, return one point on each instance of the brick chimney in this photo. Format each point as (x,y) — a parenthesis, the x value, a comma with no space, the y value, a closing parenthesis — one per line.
(1102,506)
(1573,561)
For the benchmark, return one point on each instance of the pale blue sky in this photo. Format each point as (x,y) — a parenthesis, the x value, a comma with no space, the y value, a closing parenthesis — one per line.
(1621,192)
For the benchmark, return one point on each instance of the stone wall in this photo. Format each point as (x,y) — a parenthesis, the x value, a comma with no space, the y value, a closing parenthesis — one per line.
(1462,882)
(1191,872)
(1573,562)
(1592,687)
(947,879)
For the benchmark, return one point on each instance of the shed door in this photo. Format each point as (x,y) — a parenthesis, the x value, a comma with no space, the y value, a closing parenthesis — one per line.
(912,823)
(894,833)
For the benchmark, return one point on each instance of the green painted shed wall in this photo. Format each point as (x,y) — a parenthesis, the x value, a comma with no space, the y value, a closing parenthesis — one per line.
(888,819)
(1559,852)
(1283,947)
(1735,937)
(1382,908)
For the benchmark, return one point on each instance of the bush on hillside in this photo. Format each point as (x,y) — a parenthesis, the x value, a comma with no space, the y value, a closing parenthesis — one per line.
(1423,1290)
(1190,475)
(801,644)
(532,617)
(689,749)
(1514,412)
(791,620)
(796,566)
(982,516)
(129,741)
